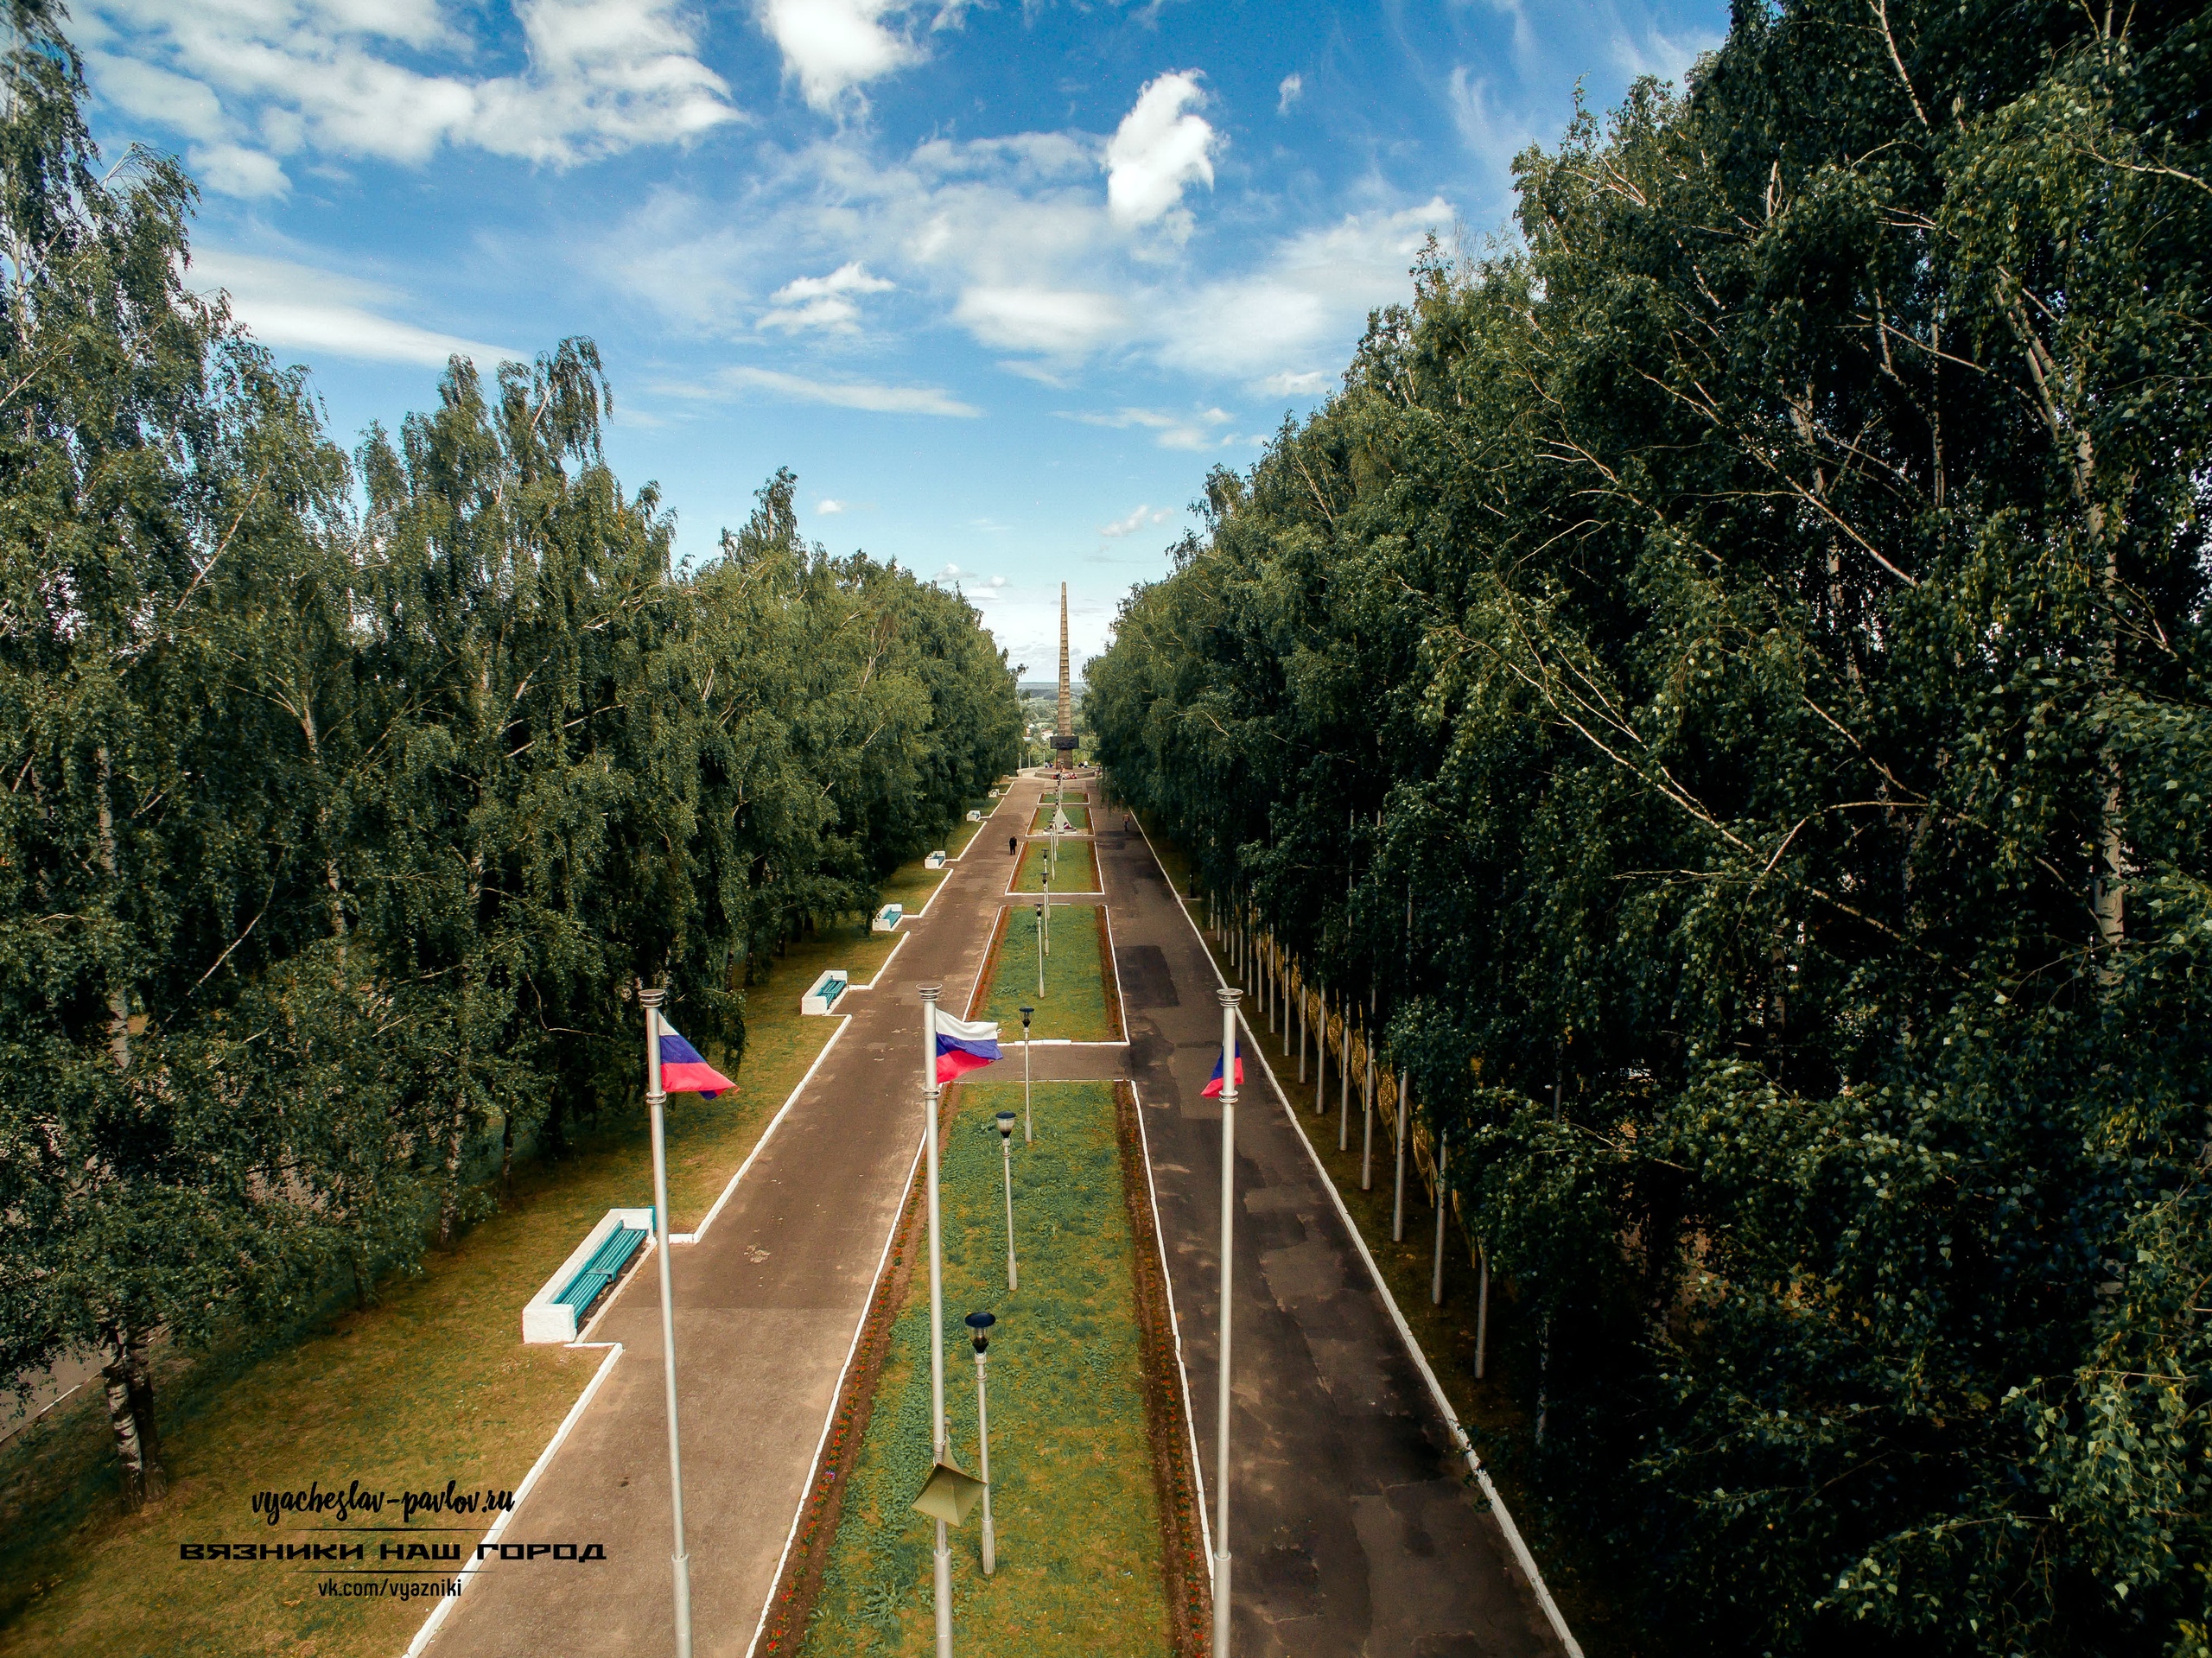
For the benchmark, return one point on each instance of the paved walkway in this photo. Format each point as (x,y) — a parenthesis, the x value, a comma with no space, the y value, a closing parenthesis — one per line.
(1354,1532)
(766,1308)
(1353,1528)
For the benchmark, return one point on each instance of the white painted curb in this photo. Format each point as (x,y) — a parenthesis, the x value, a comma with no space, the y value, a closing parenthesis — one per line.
(424,1636)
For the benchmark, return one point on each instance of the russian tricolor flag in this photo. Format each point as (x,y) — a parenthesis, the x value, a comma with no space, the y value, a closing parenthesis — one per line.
(963,1045)
(683,1071)
(1212,1089)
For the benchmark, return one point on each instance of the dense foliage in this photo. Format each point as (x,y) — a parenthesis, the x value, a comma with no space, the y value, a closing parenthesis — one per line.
(1759,621)
(342,803)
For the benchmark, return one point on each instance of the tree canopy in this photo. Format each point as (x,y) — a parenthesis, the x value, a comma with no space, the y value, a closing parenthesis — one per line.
(344,801)
(1732,663)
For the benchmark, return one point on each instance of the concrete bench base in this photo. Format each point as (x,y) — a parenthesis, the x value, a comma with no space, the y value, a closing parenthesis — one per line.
(544,1320)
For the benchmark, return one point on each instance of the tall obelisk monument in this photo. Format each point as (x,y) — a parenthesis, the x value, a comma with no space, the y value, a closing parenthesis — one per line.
(1064,735)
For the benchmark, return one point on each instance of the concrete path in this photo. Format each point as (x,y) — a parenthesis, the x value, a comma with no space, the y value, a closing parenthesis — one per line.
(767,1305)
(1354,1531)
(1352,1528)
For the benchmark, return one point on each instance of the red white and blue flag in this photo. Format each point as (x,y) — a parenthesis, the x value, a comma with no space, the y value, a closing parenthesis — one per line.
(1212,1089)
(963,1045)
(683,1071)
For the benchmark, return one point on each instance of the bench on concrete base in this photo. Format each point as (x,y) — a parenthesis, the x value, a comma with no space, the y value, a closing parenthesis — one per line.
(564,1304)
(935,861)
(824,991)
(888,917)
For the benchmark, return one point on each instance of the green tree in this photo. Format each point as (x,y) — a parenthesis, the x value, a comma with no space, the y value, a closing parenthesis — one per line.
(1744,649)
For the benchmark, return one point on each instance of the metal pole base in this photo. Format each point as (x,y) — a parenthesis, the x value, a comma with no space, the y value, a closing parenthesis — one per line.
(1220,1606)
(943,1595)
(683,1564)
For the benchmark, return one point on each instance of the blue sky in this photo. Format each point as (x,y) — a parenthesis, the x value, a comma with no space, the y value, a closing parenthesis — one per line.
(999,282)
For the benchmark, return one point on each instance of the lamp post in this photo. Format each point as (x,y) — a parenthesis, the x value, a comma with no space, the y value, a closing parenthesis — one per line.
(656,1103)
(1045,909)
(944,1560)
(1040,969)
(1006,1159)
(1028,1123)
(979,1325)
(1229,1000)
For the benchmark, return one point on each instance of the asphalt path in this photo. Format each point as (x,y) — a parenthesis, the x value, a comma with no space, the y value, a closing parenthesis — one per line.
(767,1305)
(1354,1530)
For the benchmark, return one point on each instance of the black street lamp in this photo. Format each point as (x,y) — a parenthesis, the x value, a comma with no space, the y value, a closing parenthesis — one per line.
(1028,1123)
(979,1325)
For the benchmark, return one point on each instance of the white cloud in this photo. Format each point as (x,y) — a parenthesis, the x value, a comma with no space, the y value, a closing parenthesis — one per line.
(1647,51)
(833,45)
(829,508)
(602,77)
(1063,322)
(302,306)
(234,171)
(823,302)
(1288,93)
(1143,515)
(1297,385)
(839,394)
(1491,136)
(1009,239)
(1198,431)
(1316,291)
(182,105)
(1157,151)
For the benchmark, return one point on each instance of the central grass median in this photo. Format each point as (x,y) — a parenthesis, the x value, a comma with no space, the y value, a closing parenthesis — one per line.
(1079,817)
(1079,1002)
(1076,1507)
(1077,873)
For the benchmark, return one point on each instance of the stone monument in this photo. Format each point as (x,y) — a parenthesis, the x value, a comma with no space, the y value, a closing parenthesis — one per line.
(1063,737)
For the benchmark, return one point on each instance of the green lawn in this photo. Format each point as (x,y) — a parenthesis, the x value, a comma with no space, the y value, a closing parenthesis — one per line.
(432,1384)
(1077,1517)
(1078,816)
(1074,1004)
(1078,871)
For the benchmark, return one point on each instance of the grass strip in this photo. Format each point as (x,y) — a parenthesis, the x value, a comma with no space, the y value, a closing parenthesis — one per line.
(1077,816)
(430,1384)
(1077,1004)
(1078,870)
(1079,1567)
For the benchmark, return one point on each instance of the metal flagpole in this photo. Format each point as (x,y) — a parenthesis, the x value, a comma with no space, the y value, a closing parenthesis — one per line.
(1229,1000)
(656,1103)
(936,1311)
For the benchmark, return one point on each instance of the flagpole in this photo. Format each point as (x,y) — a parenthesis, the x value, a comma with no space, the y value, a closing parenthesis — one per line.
(1229,1000)
(657,1102)
(929,993)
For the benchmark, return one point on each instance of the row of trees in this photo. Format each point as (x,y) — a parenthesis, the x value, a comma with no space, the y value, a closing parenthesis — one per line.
(343,802)
(1733,663)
